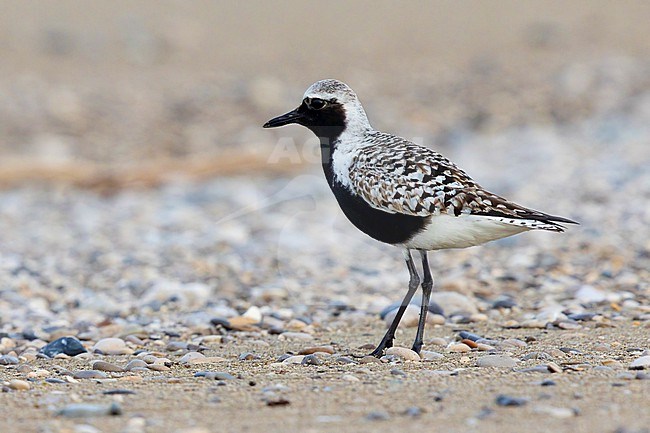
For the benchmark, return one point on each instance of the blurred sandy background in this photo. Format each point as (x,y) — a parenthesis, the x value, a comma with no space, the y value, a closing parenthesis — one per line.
(106,94)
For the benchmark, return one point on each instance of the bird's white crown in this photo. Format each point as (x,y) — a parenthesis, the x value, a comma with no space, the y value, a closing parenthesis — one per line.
(356,118)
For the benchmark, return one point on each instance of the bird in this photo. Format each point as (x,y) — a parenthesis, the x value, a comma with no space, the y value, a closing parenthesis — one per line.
(402,193)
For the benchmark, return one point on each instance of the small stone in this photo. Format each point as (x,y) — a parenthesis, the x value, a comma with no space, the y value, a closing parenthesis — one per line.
(484,347)
(458,347)
(254,313)
(470,343)
(413,412)
(397,372)
(248,356)
(215,375)
(640,363)
(548,382)
(553,367)
(589,294)
(317,349)
(174,346)
(295,359)
(38,374)
(55,380)
(89,374)
(158,367)
(428,355)
(135,364)
(82,410)
(241,323)
(514,342)
(311,360)
(378,416)
(107,366)
(19,385)
(112,346)
(497,361)
(118,392)
(65,345)
(191,358)
(8,360)
(438,341)
(302,336)
(508,401)
(350,378)
(348,360)
(464,335)
(295,325)
(403,353)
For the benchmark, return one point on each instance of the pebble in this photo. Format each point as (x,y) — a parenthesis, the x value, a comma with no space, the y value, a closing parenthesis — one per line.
(302,336)
(8,360)
(437,341)
(254,313)
(378,416)
(640,363)
(38,374)
(316,349)
(295,359)
(65,345)
(112,346)
(485,347)
(135,364)
(413,412)
(89,374)
(458,347)
(589,294)
(248,356)
(350,378)
(158,367)
(508,401)
(348,360)
(464,335)
(82,410)
(215,375)
(311,360)
(19,385)
(429,355)
(192,358)
(107,366)
(498,361)
(403,353)
(553,367)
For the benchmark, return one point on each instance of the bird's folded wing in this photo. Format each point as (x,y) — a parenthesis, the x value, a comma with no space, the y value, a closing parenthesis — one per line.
(414,180)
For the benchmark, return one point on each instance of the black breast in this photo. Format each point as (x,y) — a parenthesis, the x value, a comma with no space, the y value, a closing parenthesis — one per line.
(385,227)
(382,226)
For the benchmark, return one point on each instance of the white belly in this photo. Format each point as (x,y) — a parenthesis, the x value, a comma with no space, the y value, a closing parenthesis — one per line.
(445,231)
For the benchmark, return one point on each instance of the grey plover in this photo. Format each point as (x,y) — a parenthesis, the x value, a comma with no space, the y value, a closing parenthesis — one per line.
(401,193)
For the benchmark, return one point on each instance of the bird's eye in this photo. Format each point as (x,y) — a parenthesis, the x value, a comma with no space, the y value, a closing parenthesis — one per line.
(316,103)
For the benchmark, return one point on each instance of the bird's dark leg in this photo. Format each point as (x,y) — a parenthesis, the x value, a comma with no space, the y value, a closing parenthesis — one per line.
(414,282)
(427,286)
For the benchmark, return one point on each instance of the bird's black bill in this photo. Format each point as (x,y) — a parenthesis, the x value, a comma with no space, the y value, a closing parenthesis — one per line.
(291,117)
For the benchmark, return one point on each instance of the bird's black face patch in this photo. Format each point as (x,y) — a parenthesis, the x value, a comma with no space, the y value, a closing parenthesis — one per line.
(325,118)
